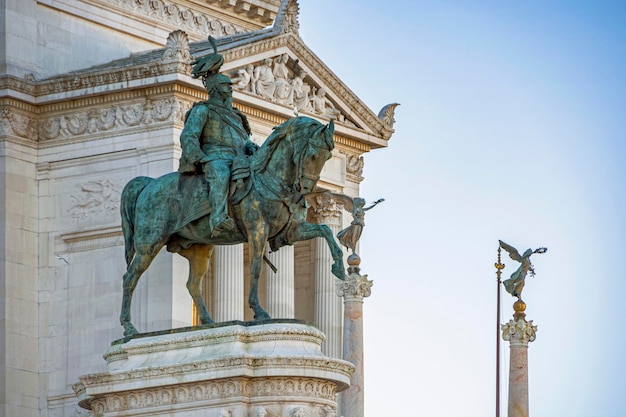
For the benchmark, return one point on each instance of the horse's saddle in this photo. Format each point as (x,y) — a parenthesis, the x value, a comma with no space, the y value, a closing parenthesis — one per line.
(193,190)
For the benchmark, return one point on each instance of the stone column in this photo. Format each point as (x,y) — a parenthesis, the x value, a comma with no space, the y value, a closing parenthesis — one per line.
(229,292)
(327,315)
(279,285)
(353,290)
(519,333)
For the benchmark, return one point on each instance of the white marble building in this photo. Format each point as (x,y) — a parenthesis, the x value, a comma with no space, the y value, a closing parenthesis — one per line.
(92,94)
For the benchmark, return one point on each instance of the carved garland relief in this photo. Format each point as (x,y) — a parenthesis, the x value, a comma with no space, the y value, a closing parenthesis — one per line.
(12,123)
(104,119)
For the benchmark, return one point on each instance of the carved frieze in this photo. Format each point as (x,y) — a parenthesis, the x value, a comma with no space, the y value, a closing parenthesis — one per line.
(174,14)
(16,123)
(25,86)
(103,119)
(207,391)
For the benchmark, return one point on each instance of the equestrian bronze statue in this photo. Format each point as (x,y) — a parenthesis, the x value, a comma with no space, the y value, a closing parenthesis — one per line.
(227,191)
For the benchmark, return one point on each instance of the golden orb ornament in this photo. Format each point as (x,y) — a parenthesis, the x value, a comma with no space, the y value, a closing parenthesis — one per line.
(519,306)
(354,260)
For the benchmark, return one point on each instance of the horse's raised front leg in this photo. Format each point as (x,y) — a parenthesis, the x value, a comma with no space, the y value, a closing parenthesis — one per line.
(137,266)
(256,247)
(306,231)
(198,256)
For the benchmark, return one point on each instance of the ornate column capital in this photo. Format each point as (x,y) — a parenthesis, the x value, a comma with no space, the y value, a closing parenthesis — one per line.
(354,286)
(519,332)
(324,210)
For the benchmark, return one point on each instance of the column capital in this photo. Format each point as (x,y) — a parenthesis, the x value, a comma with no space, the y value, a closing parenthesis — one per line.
(354,286)
(324,209)
(519,332)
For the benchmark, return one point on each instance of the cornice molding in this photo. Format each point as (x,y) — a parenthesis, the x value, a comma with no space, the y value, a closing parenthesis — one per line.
(25,86)
(193,19)
(223,364)
(97,78)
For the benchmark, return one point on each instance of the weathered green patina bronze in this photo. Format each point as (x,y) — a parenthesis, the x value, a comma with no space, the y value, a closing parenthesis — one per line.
(226,192)
(349,237)
(515,284)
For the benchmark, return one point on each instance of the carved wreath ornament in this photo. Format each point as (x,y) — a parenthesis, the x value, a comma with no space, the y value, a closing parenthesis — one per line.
(105,119)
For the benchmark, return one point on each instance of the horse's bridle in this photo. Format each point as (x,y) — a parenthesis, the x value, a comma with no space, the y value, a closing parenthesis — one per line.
(317,143)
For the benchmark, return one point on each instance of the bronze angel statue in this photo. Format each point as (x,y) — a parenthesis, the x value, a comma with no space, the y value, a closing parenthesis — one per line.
(351,234)
(515,284)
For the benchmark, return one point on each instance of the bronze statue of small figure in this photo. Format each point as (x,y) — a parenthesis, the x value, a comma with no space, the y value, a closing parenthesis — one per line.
(351,234)
(515,284)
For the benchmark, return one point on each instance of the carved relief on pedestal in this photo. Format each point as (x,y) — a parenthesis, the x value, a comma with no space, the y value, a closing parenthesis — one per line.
(304,388)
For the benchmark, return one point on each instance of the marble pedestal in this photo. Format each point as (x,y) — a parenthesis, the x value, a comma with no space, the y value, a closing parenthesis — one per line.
(242,369)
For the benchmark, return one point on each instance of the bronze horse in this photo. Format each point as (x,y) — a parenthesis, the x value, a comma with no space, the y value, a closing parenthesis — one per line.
(268,205)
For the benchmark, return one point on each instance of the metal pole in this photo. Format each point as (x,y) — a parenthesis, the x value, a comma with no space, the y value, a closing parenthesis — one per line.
(499,267)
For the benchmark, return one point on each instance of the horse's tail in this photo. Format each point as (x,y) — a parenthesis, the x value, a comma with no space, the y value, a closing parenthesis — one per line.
(127,210)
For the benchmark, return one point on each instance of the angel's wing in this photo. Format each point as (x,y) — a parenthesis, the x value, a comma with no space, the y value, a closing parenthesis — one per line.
(344,200)
(513,253)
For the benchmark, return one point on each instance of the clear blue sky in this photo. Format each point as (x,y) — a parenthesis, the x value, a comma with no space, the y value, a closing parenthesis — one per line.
(511,126)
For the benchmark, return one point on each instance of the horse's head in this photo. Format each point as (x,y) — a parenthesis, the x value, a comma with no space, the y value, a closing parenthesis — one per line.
(310,158)
(294,155)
